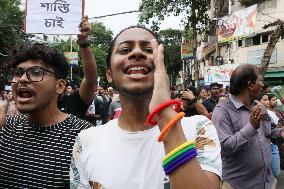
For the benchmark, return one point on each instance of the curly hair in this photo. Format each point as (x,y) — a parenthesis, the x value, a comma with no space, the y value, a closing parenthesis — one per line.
(108,59)
(39,51)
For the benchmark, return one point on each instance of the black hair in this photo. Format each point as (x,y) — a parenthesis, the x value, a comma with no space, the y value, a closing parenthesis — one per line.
(215,84)
(241,76)
(108,59)
(71,85)
(265,86)
(261,94)
(270,96)
(193,90)
(39,51)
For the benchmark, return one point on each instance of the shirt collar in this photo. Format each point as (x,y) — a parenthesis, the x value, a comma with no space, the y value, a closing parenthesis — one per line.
(237,103)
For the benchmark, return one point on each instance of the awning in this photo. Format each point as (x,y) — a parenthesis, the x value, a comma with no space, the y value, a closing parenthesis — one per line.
(273,74)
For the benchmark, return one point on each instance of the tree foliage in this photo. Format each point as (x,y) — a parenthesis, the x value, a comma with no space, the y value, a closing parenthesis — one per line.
(171,40)
(195,17)
(11,31)
(194,11)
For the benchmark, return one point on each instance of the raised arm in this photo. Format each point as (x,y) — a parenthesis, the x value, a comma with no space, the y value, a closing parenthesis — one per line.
(88,84)
(190,174)
(197,104)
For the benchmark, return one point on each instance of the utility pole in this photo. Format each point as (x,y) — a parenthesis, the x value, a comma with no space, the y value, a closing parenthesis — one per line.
(271,44)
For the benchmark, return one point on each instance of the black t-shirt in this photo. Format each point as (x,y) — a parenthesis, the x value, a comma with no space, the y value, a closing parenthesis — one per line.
(190,111)
(73,104)
(32,156)
(209,104)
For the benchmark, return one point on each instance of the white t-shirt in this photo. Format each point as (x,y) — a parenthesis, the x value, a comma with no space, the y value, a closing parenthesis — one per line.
(111,158)
(273,116)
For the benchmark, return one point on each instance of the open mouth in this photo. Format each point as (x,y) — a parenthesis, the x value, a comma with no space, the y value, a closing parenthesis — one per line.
(24,93)
(137,71)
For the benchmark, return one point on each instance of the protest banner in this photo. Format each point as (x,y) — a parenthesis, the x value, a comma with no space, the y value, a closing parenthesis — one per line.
(53,16)
(220,74)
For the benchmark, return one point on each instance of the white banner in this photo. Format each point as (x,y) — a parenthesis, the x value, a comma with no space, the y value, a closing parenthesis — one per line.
(220,74)
(53,16)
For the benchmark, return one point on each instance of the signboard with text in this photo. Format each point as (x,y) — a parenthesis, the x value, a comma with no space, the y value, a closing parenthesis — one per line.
(237,25)
(186,50)
(220,74)
(255,56)
(72,58)
(53,16)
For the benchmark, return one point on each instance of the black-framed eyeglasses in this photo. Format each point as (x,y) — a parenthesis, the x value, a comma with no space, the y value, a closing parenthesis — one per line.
(34,74)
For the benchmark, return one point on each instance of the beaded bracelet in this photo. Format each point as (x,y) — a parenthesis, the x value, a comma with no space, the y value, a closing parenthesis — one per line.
(169,125)
(160,108)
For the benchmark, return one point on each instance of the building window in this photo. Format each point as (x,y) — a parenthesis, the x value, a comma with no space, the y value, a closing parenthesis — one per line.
(248,42)
(240,43)
(282,36)
(256,40)
(264,38)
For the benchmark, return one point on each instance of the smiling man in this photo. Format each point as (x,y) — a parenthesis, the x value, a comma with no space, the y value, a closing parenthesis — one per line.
(35,147)
(125,154)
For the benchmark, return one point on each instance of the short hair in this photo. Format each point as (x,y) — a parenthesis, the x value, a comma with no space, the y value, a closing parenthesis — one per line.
(50,56)
(110,50)
(241,76)
(71,85)
(215,84)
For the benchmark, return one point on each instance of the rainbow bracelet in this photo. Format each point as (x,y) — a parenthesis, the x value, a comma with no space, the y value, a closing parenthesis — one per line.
(183,160)
(176,155)
(179,148)
(179,156)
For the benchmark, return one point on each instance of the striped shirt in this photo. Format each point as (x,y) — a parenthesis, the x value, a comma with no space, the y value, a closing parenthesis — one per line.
(32,156)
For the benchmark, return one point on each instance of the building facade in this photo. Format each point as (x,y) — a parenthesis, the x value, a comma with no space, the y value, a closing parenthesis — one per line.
(246,49)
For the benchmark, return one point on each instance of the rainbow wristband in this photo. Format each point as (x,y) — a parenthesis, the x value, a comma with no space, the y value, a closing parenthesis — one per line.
(189,155)
(176,155)
(179,148)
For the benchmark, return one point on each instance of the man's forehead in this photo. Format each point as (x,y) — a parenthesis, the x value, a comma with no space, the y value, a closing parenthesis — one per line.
(134,34)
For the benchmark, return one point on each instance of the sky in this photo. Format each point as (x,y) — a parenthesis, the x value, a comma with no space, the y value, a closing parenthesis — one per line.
(95,8)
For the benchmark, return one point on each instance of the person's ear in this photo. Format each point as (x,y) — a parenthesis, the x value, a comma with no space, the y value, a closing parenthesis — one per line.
(60,86)
(109,75)
(250,84)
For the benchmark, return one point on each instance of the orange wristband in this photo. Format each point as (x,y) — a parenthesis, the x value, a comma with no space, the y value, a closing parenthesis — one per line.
(169,125)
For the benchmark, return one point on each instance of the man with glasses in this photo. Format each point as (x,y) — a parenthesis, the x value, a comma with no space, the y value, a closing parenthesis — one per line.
(36,145)
(211,102)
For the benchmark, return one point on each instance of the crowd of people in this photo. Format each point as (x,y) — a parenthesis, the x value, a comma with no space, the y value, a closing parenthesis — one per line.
(140,133)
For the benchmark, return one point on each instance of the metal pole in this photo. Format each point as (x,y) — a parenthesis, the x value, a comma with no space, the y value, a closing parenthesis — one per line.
(230,7)
(71,51)
(71,73)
